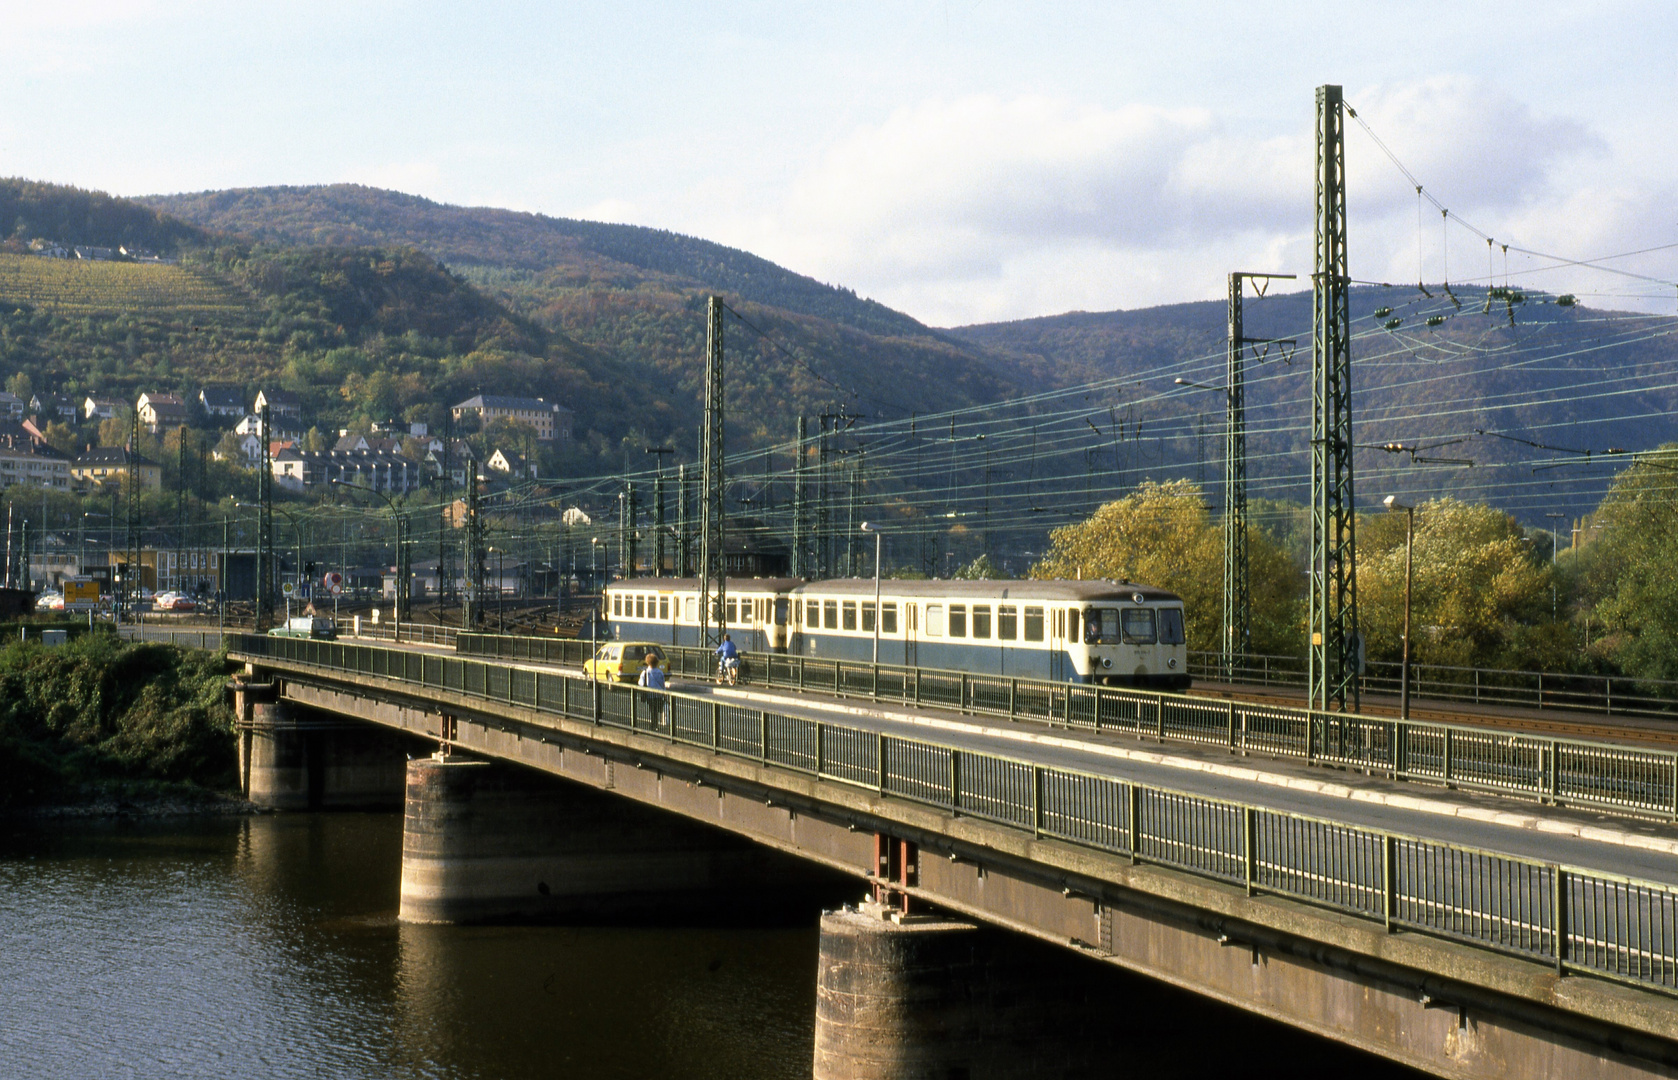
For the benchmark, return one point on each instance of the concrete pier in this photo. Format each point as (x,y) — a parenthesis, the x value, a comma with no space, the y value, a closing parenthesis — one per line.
(914,997)
(486,842)
(292,758)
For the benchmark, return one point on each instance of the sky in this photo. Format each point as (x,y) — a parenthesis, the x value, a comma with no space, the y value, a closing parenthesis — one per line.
(961,161)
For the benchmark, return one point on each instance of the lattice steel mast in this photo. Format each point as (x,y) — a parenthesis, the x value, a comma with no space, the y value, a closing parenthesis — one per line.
(1334,590)
(713,582)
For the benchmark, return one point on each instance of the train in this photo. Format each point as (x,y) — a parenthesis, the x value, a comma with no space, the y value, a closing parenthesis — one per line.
(1116,633)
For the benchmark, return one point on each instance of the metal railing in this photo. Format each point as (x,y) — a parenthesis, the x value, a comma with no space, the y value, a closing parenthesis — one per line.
(1607,694)
(1586,772)
(1576,919)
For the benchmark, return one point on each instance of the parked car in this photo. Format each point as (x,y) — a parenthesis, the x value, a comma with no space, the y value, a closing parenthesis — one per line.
(49,601)
(623,661)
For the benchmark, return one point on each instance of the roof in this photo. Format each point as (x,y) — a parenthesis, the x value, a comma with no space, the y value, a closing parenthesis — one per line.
(163,399)
(23,444)
(111,455)
(503,401)
(279,397)
(222,397)
(1006,589)
(735,584)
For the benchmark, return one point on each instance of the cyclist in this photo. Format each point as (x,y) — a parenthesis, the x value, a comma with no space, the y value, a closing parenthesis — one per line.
(728,660)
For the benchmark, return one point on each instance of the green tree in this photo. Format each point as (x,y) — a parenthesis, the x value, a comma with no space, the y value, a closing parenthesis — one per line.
(980,569)
(1163,535)
(1626,572)
(1480,596)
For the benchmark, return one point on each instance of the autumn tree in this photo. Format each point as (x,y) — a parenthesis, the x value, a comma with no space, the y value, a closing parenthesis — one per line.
(1480,597)
(1627,572)
(1163,535)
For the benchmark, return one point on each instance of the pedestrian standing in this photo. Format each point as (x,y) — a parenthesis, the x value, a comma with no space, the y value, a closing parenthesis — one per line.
(652,678)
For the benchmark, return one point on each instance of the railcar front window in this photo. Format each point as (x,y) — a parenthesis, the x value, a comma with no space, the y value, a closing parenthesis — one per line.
(780,611)
(1171,626)
(1103,626)
(1138,626)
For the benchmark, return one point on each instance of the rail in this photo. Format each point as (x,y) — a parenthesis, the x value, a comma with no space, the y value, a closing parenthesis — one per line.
(1574,919)
(1606,694)
(1584,772)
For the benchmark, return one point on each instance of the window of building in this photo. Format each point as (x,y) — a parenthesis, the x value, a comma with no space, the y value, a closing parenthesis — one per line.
(1007,622)
(1033,624)
(888,618)
(981,621)
(848,611)
(935,620)
(830,614)
(958,620)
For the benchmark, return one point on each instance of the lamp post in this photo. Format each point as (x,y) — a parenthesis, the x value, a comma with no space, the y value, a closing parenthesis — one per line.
(599,600)
(1392,503)
(870,527)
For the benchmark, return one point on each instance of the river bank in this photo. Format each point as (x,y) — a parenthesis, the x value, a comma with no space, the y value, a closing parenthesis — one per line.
(99,726)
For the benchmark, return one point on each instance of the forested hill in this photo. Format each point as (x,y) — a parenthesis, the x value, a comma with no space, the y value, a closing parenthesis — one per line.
(30,209)
(537,255)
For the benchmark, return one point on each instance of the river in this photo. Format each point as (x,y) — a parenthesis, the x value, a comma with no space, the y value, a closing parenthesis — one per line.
(268,946)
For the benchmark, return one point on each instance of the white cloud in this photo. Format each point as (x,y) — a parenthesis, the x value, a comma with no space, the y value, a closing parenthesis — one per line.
(980,207)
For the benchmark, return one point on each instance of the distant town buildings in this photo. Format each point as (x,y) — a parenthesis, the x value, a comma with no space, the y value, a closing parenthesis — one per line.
(159,412)
(100,465)
(551,422)
(24,460)
(222,401)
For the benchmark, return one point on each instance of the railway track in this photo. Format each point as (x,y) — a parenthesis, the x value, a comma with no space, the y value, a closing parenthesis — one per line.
(1643,730)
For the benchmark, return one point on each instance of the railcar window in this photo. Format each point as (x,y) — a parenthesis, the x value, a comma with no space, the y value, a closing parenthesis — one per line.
(868,617)
(848,610)
(640,606)
(981,621)
(888,618)
(663,608)
(1171,626)
(1138,626)
(830,614)
(1071,624)
(1034,624)
(1007,622)
(935,620)
(1057,619)
(733,611)
(617,604)
(958,620)
(688,609)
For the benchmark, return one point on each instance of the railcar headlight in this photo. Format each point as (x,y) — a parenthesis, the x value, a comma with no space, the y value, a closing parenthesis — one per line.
(1171,662)
(1106,661)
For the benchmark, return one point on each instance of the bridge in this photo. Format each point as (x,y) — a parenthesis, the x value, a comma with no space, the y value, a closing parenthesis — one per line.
(1450,927)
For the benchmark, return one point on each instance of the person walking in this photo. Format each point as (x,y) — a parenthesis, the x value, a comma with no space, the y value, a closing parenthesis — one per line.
(652,678)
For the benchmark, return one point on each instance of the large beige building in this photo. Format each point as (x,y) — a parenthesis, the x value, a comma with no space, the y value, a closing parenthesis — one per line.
(552,422)
(110,464)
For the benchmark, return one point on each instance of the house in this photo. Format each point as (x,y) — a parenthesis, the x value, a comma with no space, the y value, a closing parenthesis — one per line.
(162,411)
(461,460)
(12,406)
(252,425)
(221,400)
(24,460)
(312,470)
(50,407)
(89,251)
(348,442)
(288,467)
(282,404)
(551,422)
(101,408)
(249,452)
(510,464)
(108,464)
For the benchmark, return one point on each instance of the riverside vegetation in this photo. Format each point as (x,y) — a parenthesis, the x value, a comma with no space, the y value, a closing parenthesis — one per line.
(100,720)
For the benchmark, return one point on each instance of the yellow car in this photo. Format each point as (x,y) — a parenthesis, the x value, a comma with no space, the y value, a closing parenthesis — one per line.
(623,661)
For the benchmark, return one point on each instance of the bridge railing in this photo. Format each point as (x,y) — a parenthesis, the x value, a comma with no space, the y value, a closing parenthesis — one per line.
(1607,694)
(1586,772)
(1573,918)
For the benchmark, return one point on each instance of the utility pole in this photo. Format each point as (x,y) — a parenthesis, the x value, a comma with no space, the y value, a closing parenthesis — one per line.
(445,550)
(1238,599)
(801,502)
(180,505)
(1335,642)
(628,522)
(713,582)
(132,579)
(472,611)
(684,527)
(658,507)
(265,531)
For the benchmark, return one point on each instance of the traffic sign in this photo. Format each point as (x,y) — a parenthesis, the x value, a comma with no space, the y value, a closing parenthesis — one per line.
(337,589)
(333,580)
(288,588)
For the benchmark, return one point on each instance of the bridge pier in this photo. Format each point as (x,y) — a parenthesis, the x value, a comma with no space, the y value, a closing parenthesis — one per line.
(488,842)
(902,997)
(291,758)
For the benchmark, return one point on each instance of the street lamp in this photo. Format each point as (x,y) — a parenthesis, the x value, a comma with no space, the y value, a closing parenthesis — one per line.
(600,596)
(1391,503)
(870,527)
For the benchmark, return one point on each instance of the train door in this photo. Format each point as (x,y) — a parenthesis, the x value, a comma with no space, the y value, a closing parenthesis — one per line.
(911,632)
(1057,644)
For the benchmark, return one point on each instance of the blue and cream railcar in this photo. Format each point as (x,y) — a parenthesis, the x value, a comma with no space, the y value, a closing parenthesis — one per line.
(665,611)
(1068,631)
